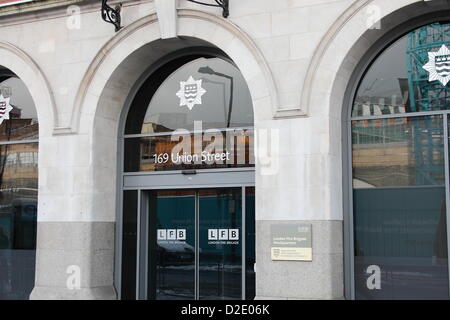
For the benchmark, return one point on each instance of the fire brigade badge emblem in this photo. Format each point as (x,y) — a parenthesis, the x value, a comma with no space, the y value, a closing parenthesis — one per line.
(438,65)
(191,93)
(5,108)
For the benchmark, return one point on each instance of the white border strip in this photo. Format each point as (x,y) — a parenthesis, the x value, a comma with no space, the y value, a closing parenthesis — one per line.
(14,3)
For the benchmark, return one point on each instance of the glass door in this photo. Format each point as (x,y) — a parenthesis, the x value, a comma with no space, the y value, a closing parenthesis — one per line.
(171,245)
(220,246)
(193,244)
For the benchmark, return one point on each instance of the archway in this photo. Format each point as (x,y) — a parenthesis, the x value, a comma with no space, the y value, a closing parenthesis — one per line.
(112,78)
(363,56)
(188,220)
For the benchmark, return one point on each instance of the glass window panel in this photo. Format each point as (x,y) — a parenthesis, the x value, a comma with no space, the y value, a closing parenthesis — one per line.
(220,268)
(224,100)
(229,149)
(399,208)
(20,121)
(18,218)
(402,233)
(397,82)
(398,152)
(171,265)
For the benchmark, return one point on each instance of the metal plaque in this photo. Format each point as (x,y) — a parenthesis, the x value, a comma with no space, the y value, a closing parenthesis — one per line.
(291,242)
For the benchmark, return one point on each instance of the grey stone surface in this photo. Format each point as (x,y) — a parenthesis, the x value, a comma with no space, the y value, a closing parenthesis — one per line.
(52,293)
(320,279)
(88,246)
(75,235)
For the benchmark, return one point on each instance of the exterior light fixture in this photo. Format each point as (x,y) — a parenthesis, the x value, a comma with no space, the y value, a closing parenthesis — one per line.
(111,15)
(224,4)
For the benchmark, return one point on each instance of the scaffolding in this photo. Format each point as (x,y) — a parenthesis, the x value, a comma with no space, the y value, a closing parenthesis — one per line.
(424,96)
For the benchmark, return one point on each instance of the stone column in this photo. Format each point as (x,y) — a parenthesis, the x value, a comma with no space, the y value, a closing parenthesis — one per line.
(301,188)
(75,239)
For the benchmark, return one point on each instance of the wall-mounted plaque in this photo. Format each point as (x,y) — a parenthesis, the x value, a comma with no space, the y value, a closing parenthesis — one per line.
(291,242)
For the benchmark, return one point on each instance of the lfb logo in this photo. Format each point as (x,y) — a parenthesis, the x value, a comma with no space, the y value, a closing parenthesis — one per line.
(223,234)
(5,108)
(171,234)
(438,65)
(191,92)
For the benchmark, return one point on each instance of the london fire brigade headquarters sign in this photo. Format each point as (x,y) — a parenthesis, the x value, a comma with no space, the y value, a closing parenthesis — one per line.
(4,3)
(291,242)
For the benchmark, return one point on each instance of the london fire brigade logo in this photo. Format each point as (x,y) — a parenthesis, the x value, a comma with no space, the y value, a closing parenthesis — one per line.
(5,108)
(439,65)
(191,92)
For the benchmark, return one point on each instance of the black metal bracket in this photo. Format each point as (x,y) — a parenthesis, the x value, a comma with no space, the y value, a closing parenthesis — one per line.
(224,4)
(111,15)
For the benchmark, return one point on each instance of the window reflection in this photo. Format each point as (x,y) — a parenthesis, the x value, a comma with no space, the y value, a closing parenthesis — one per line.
(397,82)
(200,117)
(18,216)
(21,123)
(171,266)
(400,208)
(399,193)
(18,187)
(398,152)
(225,104)
(220,261)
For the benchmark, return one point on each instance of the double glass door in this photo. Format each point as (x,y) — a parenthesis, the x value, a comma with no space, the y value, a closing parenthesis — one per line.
(197,244)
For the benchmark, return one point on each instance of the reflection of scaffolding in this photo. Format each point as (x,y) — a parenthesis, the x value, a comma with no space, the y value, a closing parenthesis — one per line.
(427,96)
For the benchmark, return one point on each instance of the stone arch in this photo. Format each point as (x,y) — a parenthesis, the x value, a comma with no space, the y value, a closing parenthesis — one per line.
(192,23)
(22,65)
(345,44)
(118,67)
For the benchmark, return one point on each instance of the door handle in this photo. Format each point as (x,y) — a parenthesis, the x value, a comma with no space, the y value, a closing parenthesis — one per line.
(189,172)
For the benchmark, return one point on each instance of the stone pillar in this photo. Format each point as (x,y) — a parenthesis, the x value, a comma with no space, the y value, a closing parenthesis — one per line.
(75,237)
(303,188)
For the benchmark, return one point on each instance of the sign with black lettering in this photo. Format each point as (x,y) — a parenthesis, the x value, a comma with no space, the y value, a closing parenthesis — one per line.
(164,235)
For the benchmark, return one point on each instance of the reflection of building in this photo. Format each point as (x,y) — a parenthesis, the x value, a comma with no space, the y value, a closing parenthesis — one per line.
(410,148)
(426,95)
(19,129)
(292,79)
(400,144)
(18,162)
(18,204)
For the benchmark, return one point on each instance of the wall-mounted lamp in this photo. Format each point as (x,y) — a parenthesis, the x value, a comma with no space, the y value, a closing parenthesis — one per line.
(111,15)
(210,71)
(224,4)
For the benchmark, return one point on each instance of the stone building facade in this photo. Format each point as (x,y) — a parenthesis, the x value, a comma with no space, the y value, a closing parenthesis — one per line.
(300,60)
